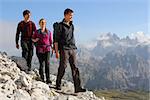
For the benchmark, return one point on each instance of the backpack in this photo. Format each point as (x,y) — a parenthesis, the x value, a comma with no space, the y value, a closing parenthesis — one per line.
(57,27)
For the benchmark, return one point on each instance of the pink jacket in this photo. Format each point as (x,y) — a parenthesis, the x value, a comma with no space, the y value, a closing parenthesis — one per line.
(45,41)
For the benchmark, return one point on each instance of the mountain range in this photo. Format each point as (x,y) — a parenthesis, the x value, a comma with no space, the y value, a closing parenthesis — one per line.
(111,62)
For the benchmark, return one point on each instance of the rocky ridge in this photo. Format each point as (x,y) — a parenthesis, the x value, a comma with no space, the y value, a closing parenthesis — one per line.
(16,84)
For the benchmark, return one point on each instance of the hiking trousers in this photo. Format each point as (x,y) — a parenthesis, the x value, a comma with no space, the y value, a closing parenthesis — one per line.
(27,52)
(66,55)
(44,60)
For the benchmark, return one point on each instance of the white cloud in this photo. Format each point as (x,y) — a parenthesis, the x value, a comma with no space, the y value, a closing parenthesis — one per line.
(141,37)
(104,36)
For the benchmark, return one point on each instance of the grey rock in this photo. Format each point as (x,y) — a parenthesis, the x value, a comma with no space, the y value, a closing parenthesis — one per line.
(21,95)
(21,63)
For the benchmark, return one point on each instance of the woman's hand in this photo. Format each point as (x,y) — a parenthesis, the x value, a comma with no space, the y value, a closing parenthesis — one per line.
(35,40)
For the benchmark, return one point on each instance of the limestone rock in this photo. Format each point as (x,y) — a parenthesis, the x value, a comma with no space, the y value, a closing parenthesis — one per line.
(18,85)
(21,95)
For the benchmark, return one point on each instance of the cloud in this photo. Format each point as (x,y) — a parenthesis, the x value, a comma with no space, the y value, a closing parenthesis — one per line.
(141,37)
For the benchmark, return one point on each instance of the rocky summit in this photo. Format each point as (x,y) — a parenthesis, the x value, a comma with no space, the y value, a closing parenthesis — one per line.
(16,84)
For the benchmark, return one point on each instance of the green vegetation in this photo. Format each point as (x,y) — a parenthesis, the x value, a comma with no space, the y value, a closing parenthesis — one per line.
(123,95)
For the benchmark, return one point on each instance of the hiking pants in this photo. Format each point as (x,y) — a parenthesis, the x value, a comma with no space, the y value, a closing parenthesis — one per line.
(44,59)
(27,52)
(66,55)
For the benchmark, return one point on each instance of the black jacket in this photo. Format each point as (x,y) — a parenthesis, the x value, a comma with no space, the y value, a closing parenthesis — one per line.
(64,35)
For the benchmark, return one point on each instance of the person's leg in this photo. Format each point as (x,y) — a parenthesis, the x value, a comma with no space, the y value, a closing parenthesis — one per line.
(24,50)
(47,71)
(62,65)
(75,72)
(24,54)
(41,61)
(30,54)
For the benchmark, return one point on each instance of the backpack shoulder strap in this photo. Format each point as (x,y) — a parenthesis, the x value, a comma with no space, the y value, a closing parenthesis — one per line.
(72,27)
(49,33)
(31,26)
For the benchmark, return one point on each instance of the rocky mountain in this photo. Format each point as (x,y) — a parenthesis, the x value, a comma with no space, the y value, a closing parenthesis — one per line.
(119,71)
(16,84)
(116,63)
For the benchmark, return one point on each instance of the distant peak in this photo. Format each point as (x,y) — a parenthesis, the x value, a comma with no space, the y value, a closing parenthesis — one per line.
(108,36)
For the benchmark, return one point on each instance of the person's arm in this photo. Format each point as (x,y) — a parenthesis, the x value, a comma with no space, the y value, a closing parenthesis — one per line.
(34,31)
(51,38)
(56,49)
(56,38)
(34,27)
(34,37)
(17,36)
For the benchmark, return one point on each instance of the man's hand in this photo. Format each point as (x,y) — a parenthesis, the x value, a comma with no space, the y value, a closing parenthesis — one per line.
(35,40)
(17,46)
(57,55)
(56,49)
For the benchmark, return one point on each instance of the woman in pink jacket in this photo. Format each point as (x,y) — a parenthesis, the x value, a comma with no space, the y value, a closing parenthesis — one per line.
(43,41)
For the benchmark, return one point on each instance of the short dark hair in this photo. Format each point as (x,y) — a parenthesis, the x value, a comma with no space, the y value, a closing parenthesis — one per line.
(25,12)
(68,11)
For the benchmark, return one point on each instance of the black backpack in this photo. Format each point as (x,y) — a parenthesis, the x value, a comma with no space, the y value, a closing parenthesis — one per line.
(57,27)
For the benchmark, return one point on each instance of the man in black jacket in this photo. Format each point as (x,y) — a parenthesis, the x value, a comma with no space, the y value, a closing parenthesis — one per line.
(64,42)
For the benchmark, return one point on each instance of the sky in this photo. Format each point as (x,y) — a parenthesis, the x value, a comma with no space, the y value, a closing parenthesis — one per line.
(91,17)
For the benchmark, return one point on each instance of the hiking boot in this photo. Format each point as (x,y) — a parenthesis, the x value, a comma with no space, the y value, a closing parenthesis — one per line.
(48,81)
(42,80)
(58,88)
(29,69)
(80,90)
